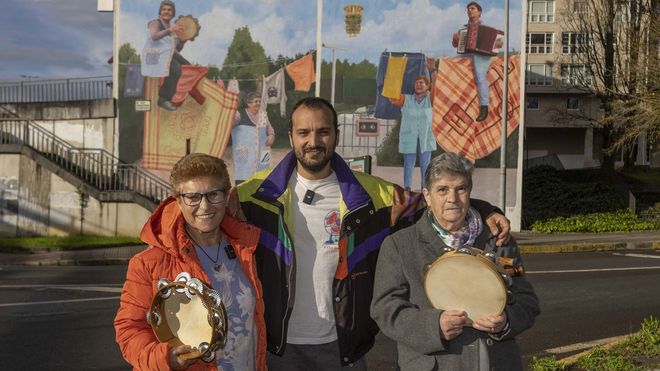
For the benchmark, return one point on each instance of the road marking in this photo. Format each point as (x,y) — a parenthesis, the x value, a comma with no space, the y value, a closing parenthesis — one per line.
(65,287)
(584,345)
(594,270)
(638,255)
(57,302)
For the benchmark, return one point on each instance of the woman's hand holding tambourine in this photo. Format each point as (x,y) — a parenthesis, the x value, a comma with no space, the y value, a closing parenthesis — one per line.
(176,362)
(451,323)
(491,324)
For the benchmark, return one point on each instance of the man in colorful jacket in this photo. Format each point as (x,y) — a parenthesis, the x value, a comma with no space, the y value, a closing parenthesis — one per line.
(322,225)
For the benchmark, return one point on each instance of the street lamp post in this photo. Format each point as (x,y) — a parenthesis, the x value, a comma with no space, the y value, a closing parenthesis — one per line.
(505,108)
(319,46)
(334,70)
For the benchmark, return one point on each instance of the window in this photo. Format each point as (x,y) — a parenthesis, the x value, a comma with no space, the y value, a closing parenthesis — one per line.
(580,6)
(539,74)
(575,75)
(572,103)
(539,42)
(532,103)
(541,11)
(572,42)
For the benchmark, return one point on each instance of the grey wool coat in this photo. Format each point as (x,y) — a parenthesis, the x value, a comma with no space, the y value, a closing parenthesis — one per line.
(403,312)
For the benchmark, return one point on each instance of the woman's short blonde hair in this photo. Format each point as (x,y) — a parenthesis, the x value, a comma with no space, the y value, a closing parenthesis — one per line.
(197,165)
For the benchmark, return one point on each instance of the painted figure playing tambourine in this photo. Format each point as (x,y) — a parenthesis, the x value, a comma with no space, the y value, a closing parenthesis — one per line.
(161,54)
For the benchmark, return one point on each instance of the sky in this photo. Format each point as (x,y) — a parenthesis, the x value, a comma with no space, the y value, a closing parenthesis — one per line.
(70,38)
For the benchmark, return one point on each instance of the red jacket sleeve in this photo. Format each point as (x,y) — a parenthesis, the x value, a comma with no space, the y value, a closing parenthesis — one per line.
(136,340)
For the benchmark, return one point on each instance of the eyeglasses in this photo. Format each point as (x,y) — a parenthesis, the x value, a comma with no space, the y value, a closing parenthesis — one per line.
(214,197)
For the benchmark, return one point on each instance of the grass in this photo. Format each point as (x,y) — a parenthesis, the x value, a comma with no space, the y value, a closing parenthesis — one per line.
(37,244)
(639,351)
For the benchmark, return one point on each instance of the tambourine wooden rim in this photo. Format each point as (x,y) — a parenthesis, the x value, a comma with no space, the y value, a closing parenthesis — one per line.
(462,281)
(194,290)
(191,28)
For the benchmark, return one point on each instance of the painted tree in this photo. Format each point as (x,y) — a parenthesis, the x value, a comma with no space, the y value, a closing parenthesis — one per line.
(606,52)
(245,60)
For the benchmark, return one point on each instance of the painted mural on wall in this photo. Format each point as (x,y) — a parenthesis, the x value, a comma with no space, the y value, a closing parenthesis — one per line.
(221,76)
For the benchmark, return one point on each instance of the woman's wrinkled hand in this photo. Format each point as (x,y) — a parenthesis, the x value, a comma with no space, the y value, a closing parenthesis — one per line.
(451,323)
(176,362)
(491,324)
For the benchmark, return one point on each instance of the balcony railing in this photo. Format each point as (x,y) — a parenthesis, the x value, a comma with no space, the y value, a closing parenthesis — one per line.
(56,90)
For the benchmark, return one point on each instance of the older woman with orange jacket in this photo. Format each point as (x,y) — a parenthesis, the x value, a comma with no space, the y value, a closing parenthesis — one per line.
(190,232)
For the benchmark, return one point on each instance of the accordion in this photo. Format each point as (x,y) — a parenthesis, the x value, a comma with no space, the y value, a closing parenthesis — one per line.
(479,39)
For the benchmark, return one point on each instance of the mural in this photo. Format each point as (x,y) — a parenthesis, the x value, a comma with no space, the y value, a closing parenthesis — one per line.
(220,77)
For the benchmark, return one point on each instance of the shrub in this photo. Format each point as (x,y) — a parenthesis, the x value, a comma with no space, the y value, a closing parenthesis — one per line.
(388,154)
(622,220)
(550,193)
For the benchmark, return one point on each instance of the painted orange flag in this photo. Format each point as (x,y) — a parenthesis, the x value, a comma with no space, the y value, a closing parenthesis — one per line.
(302,73)
(456,106)
(207,125)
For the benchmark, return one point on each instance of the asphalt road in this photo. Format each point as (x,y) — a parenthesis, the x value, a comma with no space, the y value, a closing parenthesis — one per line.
(60,318)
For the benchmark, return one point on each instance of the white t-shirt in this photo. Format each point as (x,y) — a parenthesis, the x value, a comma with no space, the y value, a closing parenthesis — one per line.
(315,240)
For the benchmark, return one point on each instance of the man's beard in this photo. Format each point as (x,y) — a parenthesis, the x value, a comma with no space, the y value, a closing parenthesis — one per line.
(313,167)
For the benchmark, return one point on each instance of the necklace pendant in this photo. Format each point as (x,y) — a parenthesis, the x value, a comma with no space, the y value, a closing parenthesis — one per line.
(216,267)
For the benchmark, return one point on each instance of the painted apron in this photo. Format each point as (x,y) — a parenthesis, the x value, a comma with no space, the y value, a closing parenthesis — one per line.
(157,55)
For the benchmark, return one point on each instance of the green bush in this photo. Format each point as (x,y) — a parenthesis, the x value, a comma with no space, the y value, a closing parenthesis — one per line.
(388,153)
(646,342)
(549,193)
(620,221)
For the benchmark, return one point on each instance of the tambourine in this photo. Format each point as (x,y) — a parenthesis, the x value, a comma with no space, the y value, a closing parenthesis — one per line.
(467,279)
(188,311)
(191,28)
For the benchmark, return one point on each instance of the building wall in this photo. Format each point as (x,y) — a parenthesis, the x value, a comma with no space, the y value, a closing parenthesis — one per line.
(34,201)
(580,145)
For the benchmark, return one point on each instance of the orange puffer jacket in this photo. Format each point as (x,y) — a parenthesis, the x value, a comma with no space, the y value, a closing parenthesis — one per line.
(171,252)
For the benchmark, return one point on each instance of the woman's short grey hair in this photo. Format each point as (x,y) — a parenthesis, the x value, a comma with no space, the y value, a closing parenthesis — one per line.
(249,97)
(449,163)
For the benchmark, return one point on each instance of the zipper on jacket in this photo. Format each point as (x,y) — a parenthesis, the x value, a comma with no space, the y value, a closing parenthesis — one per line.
(291,283)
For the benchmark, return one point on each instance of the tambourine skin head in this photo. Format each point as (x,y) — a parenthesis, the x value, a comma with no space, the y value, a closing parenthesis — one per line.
(182,316)
(471,283)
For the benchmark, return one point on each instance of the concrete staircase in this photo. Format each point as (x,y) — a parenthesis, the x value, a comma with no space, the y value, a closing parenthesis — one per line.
(93,171)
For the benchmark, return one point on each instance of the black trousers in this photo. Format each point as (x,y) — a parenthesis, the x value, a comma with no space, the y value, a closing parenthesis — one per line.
(168,88)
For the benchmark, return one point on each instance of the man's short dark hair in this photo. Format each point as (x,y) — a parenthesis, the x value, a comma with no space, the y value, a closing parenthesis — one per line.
(315,103)
(475,4)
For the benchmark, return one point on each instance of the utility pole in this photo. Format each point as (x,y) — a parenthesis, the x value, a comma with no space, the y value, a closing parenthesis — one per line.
(319,46)
(505,109)
(334,70)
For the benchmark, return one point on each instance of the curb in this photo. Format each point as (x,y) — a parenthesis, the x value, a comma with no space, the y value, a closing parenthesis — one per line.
(122,255)
(587,246)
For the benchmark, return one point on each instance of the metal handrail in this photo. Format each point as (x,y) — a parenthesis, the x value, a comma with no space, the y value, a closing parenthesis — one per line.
(56,90)
(94,166)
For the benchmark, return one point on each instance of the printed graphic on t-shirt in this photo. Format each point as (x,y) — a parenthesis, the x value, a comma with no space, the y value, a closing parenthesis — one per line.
(332,224)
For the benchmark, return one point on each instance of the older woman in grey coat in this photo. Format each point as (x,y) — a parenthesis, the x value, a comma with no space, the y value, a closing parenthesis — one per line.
(433,339)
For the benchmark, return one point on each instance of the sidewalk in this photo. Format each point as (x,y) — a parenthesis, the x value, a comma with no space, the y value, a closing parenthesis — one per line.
(529,242)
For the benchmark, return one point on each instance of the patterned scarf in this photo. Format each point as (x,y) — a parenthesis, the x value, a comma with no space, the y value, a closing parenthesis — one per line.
(465,236)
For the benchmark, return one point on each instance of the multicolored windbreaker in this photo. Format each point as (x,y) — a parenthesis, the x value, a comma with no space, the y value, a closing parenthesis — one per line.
(370,209)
